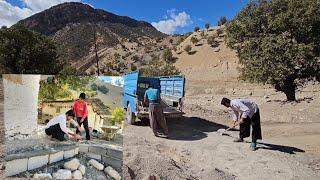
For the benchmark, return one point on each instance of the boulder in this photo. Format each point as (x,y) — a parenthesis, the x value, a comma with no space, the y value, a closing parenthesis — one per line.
(82,169)
(112,173)
(72,164)
(77,174)
(96,164)
(42,176)
(62,174)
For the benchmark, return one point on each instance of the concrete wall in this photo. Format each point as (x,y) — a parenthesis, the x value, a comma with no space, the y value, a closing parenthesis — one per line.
(20,104)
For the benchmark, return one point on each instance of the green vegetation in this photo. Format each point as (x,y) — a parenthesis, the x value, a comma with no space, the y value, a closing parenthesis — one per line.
(278,42)
(25,52)
(117,115)
(223,20)
(188,48)
(167,55)
(159,68)
(61,87)
(212,42)
(194,40)
(207,26)
(196,29)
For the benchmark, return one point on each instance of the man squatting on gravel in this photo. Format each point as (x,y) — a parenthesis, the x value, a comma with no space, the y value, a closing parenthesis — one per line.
(57,127)
(157,121)
(247,113)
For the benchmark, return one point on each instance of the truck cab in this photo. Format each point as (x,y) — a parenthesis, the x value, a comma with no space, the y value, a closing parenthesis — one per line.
(172,90)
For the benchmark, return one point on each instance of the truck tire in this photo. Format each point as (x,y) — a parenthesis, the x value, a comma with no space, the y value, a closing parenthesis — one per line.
(131,117)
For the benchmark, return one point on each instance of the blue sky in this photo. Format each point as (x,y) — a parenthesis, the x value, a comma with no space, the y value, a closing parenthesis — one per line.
(172,16)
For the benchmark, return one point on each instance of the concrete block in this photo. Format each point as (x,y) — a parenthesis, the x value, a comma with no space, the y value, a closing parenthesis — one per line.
(16,166)
(114,162)
(37,161)
(68,154)
(98,150)
(94,156)
(115,153)
(84,148)
(55,157)
(76,151)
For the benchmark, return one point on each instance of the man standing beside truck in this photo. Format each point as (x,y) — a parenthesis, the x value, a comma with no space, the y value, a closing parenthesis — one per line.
(157,120)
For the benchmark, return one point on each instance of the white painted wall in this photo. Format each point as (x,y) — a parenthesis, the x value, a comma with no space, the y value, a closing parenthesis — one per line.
(20,104)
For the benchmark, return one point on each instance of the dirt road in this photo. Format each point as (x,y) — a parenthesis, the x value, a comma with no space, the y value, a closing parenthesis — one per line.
(2,133)
(290,148)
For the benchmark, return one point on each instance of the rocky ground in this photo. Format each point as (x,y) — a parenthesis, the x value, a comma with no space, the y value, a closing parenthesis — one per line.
(2,133)
(289,149)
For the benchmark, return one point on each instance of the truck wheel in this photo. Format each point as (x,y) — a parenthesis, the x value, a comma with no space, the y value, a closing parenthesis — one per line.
(131,117)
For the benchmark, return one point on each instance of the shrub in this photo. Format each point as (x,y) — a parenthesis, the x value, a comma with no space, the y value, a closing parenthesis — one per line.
(167,55)
(194,40)
(117,115)
(188,48)
(196,29)
(207,26)
(222,21)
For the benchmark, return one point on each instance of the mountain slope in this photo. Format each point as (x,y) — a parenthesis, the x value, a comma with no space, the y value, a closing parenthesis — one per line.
(73,26)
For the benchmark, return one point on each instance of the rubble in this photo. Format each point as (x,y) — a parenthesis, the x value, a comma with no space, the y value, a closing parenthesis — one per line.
(72,165)
(82,169)
(77,174)
(112,173)
(42,176)
(96,164)
(62,174)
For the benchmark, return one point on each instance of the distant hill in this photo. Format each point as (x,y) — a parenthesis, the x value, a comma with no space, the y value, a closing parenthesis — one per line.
(73,25)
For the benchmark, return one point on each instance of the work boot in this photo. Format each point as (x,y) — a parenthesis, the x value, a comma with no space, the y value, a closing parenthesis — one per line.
(253,146)
(238,140)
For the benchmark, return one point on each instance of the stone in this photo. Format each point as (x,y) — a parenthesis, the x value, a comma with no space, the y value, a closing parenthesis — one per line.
(16,166)
(62,174)
(112,173)
(114,162)
(68,154)
(77,175)
(94,156)
(82,169)
(37,161)
(83,148)
(72,165)
(42,176)
(76,150)
(96,164)
(55,157)
(115,153)
(97,150)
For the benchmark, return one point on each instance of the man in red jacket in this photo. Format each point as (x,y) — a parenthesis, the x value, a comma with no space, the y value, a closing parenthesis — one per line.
(80,109)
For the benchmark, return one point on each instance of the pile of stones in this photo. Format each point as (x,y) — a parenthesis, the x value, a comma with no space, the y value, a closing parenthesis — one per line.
(73,169)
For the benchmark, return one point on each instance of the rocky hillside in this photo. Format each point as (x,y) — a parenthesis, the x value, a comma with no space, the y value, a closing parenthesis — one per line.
(73,26)
(209,59)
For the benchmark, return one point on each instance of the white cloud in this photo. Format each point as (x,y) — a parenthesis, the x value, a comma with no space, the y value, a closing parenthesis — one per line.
(173,21)
(40,5)
(10,14)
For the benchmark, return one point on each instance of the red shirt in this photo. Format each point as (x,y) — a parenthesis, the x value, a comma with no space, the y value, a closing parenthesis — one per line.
(80,109)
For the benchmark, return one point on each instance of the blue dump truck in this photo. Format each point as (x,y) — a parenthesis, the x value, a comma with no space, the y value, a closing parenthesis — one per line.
(172,90)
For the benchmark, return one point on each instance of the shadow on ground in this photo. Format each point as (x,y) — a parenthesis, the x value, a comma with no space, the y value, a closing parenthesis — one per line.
(281,148)
(187,128)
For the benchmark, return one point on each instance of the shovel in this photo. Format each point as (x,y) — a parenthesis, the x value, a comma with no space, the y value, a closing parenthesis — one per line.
(223,131)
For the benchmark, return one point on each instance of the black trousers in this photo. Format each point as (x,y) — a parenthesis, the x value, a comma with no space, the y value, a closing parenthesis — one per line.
(245,127)
(85,125)
(55,132)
